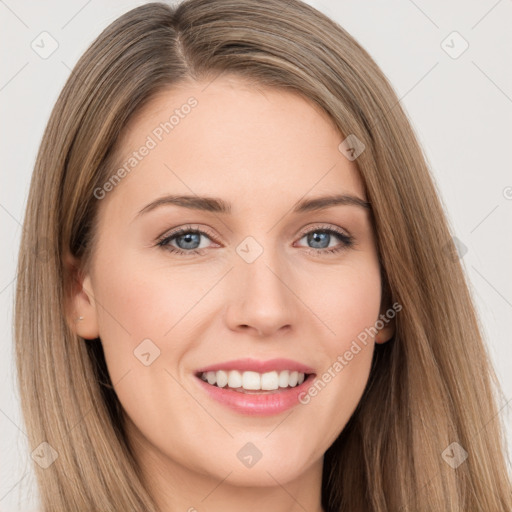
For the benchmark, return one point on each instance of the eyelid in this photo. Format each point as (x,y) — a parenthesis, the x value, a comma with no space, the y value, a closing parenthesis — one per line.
(197,227)
(185,229)
(323,227)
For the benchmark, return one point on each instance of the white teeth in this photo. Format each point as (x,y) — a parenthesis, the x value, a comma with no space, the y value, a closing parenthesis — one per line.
(254,381)
(251,380)
(222,378)
(270,381)
(234,379)
(283,378)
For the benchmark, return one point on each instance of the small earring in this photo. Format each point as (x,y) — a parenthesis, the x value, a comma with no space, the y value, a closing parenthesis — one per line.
(79,318)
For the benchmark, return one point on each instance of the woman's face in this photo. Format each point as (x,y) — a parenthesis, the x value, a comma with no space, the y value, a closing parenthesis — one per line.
(261,281)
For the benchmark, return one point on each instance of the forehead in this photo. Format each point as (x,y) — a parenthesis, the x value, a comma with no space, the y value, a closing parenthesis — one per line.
(233,140)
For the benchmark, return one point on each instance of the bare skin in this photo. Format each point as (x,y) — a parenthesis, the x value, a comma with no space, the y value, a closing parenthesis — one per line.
(261,150)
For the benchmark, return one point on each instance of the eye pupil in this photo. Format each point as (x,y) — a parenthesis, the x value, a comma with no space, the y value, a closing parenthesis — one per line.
(317,236)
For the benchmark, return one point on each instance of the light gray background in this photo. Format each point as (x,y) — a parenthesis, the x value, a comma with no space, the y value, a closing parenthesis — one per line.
(461,109)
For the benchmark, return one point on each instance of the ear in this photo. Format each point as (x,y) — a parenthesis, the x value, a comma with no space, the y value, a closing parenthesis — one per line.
(388,330)
(81,313)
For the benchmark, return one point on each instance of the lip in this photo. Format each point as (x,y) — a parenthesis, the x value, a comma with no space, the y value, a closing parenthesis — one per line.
(255,365)
(257,404)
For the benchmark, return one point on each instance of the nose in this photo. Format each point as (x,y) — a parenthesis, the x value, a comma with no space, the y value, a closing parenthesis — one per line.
(262,300)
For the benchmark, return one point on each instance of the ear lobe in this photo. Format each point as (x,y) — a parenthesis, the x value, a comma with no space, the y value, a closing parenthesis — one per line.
(387,331)
(81,314)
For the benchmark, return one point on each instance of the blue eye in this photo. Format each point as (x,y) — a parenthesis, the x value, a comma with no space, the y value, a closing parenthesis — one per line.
(321,238)
(188,241)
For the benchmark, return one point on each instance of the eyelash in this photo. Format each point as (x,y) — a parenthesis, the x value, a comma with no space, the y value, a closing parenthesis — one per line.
(347,241)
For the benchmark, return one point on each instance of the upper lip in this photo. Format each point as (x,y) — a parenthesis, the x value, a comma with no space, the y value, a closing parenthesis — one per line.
(259,366)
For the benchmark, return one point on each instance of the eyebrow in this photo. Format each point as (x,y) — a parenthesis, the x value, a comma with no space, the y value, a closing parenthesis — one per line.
(217,205)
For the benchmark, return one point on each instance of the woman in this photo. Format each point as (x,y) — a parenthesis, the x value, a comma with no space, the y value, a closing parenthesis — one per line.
(318,348)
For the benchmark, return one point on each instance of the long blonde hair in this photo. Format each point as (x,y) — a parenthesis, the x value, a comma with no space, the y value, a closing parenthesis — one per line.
(430,386)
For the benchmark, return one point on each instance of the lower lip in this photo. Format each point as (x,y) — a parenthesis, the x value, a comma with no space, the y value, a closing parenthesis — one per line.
(257,404)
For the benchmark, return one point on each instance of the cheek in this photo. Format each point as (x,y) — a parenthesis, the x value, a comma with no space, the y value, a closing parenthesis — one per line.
(151,295)
(346,301)
(136,304)
(349,316)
